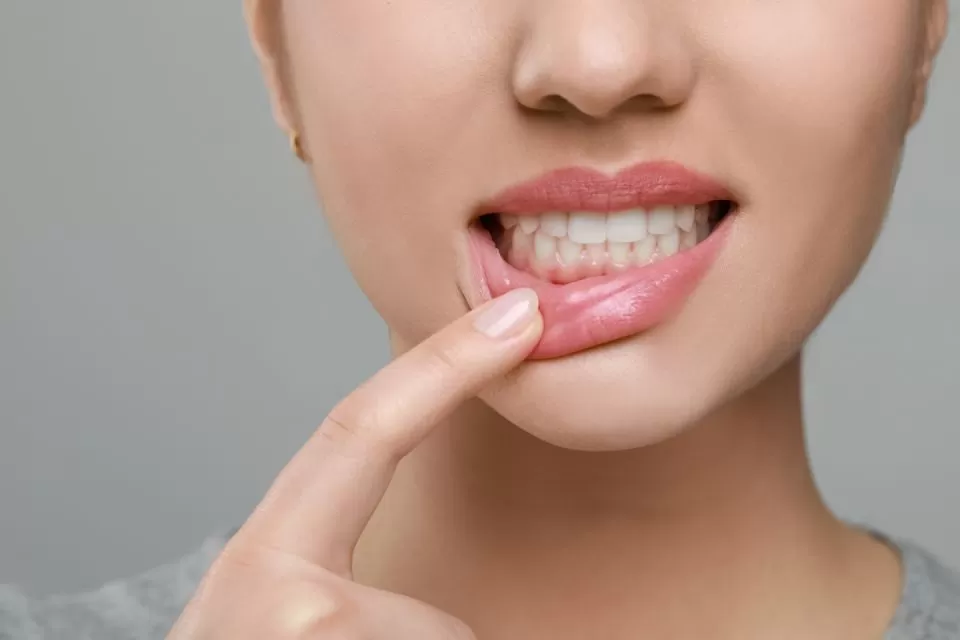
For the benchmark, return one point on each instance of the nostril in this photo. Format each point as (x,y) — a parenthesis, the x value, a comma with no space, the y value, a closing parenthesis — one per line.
(558,105)
(555,103)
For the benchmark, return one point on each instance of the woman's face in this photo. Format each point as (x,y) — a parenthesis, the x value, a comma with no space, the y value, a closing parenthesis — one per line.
(690,184)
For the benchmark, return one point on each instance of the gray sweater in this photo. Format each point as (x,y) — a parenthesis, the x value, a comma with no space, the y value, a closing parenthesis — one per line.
(146,607)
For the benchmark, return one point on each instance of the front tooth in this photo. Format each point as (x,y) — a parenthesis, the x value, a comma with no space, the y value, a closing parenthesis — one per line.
(554,224)
(685,217)
(545,247)
(619,252)
(663,220)
(669,244)
(688,239)
(597,253)
(508,221)
(570,251)
(587,228)
(529,224)
(643,251)
(627,226)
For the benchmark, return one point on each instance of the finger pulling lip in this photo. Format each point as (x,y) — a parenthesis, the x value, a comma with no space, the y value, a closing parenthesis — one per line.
(601,309)
(594,311)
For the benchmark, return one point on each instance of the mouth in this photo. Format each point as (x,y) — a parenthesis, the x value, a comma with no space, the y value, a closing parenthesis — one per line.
(608,257)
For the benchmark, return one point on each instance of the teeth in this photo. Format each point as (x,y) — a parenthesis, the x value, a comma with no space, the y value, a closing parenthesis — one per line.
(701,221)
(702,230)
(685,216)
(529,224)
(619,252)
(564,247)
(623,226)
(662,220)
(669,244)
(588,228)
(554,224)
(569,251)
(643,251)
(627,226)
(521,242)
(544,247)
(597,253)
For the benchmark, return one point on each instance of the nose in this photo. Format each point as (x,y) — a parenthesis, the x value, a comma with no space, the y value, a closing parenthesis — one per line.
(597,56)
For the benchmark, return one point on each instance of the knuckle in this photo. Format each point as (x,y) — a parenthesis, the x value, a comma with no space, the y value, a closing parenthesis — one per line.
(257,591)
(246,601)
(337,428)
(349,423)
(311,611)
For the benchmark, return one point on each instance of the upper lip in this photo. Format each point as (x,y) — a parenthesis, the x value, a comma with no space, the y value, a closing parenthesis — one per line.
(643,185)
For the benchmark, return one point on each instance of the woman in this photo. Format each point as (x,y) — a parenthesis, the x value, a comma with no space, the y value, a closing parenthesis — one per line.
(600,232)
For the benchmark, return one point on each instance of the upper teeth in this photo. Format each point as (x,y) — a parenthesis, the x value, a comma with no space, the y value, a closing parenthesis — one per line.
(584,227)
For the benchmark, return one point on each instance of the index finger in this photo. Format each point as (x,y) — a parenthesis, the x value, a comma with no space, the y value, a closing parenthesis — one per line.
(322,500)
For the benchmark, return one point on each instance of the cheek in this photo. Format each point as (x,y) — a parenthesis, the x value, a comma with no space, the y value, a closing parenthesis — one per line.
(388,101)
(816,71)
(816,95)
(388,98)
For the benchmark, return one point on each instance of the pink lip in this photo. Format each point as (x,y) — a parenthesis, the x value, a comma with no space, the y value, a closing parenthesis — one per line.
(598,310)
(579,189)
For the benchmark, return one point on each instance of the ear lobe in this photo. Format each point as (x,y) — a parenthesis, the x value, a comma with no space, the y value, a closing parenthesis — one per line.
(263,24)
(935,27)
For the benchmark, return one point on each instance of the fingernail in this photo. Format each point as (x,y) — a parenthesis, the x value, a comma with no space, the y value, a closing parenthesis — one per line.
(509,314)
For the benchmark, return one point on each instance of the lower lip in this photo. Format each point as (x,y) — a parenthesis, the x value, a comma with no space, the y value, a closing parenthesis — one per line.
(598,310)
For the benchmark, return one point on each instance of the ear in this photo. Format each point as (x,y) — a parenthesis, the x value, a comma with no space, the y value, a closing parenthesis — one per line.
(935,27)
(266,34)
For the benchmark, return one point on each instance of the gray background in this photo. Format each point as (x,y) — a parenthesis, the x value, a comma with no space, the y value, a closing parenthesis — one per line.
(174,319)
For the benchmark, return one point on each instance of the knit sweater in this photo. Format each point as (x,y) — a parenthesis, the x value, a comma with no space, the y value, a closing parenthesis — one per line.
(146,607)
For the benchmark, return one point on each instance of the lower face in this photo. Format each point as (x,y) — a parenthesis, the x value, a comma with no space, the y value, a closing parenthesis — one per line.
(689,201)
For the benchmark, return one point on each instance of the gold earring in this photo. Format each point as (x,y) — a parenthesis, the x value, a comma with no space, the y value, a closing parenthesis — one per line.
(296,145)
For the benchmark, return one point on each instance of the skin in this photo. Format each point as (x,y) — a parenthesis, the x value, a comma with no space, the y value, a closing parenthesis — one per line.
(654,487)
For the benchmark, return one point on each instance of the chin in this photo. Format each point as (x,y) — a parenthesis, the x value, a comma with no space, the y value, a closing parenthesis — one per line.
(629,394)
(625,395)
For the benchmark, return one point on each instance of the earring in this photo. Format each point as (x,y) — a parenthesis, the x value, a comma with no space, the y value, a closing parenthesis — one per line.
(296,145)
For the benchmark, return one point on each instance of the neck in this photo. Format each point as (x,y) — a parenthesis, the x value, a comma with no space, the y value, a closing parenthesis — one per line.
(724,513)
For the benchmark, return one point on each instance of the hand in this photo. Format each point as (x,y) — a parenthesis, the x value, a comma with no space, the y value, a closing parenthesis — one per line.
(287,573)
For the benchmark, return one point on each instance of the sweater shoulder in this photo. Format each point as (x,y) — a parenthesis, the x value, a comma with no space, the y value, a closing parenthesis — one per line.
(930,603)
(144,607)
